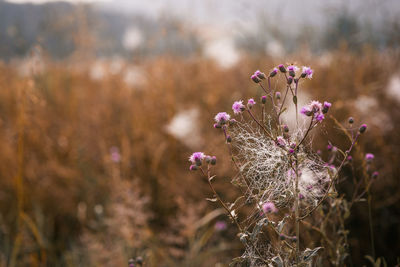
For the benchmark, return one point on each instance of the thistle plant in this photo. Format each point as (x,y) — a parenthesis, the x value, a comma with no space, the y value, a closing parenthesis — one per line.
(289,211)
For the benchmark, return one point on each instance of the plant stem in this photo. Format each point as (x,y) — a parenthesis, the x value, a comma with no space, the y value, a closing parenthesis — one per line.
(296,206)
(371,228)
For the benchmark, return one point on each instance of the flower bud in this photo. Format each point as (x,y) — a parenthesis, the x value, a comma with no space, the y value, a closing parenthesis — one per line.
(208,159)
(290,80)
(375,175)
(278,95)
(285,128)
(255,78)
(260,75)
(282,68)
(228,139)
(213,160)
(349,158)
(251,103)
(232,122)
(282,237)
(193,167)
(217,126)
(351,120)
(264,99)
(273,72)
(139,260)
(363,128)
(326,107)
(369,157)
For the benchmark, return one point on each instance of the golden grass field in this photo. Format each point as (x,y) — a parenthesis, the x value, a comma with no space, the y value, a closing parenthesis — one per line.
(92,175)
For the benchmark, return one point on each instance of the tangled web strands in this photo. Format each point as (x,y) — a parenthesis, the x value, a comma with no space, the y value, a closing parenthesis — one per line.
(268,173)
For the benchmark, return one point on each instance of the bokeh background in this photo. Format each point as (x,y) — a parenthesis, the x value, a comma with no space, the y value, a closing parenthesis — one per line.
(102,102)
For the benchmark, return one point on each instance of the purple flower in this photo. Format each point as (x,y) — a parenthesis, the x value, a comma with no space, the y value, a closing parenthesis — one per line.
(280,141)
(264,99)
(375,175)
(238,107)
(278,95)
(292,68)
(363,128)
(220,226)
(369,157)
(282,68)
(326,107)
(255,78)
(115,155)
(320,117)
(259,74)
(222,118)
(315,106)
(307,72)
(251,103)
(269,207)
(306,110)
(217,126)
(197,157)
(193,167)
(273,72)
(213,160)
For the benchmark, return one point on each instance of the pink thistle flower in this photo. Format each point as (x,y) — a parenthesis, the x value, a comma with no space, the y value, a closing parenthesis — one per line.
(320,117)
(282,68)
(220,226)
(269,207)
(326,107)
(292,68)
(369,157)
(238,107)
(264,99)
(251,103)
(259,74)
(222,118)
(193,167)
(280,141)
(306,110)
(255,78)
(363,128)
(115,155)
(197,158)
(315,106)
(273,72)
(307,72)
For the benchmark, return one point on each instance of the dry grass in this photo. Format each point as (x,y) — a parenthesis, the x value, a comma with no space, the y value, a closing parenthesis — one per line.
(64,202)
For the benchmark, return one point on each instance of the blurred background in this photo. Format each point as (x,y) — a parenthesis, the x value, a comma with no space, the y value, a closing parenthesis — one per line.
(102,102)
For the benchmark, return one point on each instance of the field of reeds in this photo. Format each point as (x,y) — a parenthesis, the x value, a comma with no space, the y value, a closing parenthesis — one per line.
(93,157)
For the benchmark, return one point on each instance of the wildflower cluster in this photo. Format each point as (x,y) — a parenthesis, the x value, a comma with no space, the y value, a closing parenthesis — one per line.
(284,182)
